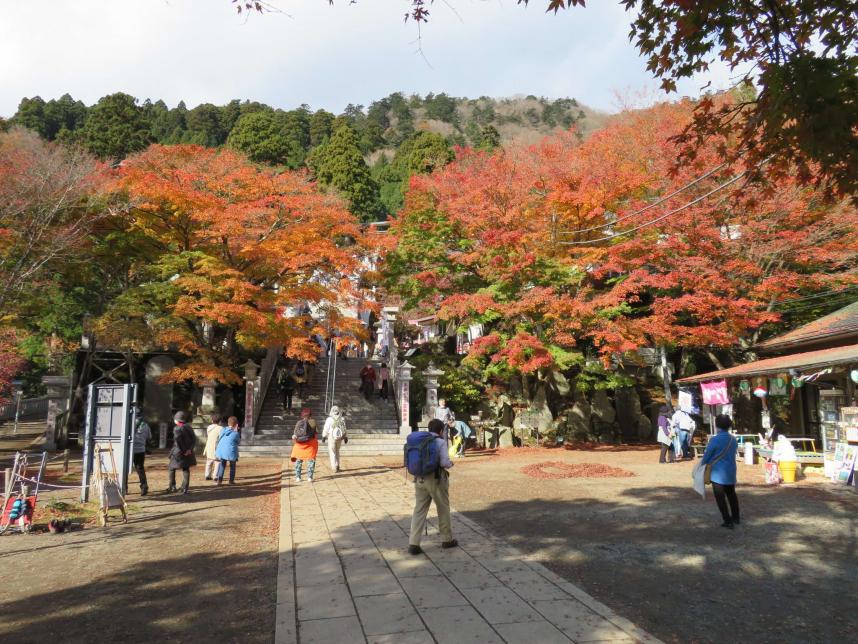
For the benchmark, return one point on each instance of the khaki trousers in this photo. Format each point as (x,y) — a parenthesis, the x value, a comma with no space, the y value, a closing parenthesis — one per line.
(426,490)
(334,452)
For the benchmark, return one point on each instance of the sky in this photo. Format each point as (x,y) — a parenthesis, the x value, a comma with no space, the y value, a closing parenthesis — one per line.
(327,57)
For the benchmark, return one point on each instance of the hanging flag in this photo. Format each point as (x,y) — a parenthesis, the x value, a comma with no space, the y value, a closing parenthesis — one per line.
(777,386)
(715,392)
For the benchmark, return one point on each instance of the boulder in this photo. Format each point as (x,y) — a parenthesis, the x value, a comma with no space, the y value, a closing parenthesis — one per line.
(602,409)
(559,383)
(515,389)
(628,407)
(646,431)
(578,421)
(505,414)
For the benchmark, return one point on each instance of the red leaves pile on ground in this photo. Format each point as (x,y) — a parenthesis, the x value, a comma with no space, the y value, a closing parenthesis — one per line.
(557,470)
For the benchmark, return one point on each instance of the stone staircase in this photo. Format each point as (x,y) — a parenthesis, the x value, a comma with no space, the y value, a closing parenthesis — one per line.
(373,426)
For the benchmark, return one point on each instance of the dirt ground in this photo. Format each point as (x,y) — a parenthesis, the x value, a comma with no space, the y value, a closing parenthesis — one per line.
(195,568)
(654,551)
(203,567)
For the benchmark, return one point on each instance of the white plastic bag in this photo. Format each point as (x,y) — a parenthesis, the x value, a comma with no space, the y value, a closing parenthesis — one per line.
(697,481)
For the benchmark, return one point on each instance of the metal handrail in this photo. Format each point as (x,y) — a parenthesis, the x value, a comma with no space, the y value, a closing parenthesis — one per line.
(269,363)
(331,376)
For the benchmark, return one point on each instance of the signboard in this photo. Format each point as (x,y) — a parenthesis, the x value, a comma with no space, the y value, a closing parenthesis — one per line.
(162,435)
(844,473)
(109,420)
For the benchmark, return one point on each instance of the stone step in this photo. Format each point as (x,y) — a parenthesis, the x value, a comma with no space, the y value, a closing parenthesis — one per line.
(364,418)
(353,440)
(268,433)
(350,450)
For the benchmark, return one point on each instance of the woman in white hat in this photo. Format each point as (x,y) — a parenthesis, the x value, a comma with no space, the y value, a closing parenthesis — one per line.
(335,430)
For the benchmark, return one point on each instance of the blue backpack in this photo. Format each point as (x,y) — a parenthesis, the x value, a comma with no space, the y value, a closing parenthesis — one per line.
(422,455)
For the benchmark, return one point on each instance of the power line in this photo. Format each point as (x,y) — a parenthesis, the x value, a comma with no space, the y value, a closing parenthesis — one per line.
(647,207)
(670,213)
(841,300)
(815,296)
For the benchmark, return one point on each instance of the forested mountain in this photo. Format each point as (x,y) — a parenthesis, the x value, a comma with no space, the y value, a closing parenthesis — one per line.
(365,153)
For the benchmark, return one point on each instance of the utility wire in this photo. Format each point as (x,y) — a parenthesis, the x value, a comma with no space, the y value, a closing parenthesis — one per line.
(815,296)
(647,207)
(670,213)
(834,300)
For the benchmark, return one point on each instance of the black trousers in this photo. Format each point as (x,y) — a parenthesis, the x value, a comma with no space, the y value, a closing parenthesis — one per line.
(723,494)
(287,398)
(186,479)
(666,449)
(383,392)
(139,461)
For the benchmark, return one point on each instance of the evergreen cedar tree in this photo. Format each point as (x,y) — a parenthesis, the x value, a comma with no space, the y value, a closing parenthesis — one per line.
(116,127)
(486,240)
(800,55)
(338,163)
(226,248)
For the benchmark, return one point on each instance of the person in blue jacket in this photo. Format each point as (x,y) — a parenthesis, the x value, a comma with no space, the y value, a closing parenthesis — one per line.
(227,450)
(721,455)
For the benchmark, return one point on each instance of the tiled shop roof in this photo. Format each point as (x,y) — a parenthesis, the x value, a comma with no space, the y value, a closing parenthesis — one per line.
(843,323)
(804,362)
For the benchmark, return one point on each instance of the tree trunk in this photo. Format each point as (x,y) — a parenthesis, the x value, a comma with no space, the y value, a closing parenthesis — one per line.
(714,360)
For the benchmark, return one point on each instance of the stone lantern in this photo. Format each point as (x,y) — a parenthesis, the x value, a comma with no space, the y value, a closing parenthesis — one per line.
(251,370)
(431,374)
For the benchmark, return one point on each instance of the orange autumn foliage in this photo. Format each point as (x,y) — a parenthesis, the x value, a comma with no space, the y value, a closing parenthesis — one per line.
(531,242)
(230,255)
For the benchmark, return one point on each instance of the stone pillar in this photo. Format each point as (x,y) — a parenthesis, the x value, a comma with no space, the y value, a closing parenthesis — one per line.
(251,380)
(58,393)
(204,413)
(158,396)
(403,383)
(431,374)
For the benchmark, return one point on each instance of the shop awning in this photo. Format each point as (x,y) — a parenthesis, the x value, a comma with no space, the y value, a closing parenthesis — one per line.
(802,361)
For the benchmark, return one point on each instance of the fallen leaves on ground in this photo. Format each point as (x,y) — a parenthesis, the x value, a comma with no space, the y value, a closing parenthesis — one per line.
(557,470)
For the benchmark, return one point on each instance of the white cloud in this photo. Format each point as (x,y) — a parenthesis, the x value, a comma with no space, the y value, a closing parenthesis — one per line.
(201,51)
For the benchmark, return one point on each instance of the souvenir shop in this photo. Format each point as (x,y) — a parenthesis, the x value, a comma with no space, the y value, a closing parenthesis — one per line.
(810,395)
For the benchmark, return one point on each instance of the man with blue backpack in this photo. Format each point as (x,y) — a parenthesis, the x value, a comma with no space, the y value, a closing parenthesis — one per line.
(426,458)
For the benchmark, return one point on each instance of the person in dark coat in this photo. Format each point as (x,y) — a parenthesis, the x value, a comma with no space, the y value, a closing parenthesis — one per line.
(182,455)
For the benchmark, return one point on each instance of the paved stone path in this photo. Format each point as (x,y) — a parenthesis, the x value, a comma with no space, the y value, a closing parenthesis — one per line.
(345,575)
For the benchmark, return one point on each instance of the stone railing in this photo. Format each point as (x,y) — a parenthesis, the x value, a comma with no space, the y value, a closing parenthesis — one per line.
(29,407)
